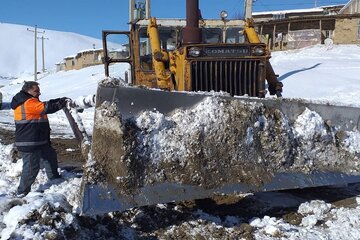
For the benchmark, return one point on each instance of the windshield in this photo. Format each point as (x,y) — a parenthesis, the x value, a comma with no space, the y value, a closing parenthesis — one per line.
(212,35)
(235,35)
(168,41)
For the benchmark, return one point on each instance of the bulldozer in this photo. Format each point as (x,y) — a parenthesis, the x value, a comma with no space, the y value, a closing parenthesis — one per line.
(192,119)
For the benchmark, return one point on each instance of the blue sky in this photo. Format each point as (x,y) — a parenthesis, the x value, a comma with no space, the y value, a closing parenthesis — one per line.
(90,17)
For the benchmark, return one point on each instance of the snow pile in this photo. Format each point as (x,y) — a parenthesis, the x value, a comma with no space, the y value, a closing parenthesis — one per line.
(352,141)
(40,214)
(320,220)
(309,125)
(177,137)
(269,225)
(43,212)
(315,211)
(174,138)
(319,142)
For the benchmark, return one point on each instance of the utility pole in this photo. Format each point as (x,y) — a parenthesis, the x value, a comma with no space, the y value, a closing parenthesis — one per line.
(35,50)
(43,51)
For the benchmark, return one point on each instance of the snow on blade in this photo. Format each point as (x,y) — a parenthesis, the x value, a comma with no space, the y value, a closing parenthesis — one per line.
(240,141)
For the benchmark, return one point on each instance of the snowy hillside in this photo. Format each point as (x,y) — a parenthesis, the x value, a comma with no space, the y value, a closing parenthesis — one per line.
(17,49)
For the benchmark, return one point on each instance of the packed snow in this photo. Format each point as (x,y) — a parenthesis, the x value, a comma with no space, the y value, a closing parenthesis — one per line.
(50,211)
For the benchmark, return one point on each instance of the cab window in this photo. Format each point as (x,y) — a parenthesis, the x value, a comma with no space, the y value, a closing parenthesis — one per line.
(235,35)
(168,41)
(212,35)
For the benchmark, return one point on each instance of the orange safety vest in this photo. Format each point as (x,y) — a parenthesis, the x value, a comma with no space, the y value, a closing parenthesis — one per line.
(32,125)
(31,110)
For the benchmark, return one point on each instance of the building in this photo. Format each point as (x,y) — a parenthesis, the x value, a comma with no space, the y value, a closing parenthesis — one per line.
(352,7)
(70,62)
(87,58)
(293,29)
(348,28)
(60,66)
(81,60)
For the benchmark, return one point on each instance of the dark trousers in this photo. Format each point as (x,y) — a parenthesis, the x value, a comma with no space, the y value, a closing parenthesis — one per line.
(32,162)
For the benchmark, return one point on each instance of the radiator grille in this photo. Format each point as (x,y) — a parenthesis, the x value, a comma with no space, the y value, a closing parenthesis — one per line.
(235,77)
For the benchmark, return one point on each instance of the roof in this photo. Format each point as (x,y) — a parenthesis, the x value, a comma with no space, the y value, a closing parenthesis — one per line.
(182,22)
(69,57)
(305,10)
(91,50)
(289,11)
(346,6)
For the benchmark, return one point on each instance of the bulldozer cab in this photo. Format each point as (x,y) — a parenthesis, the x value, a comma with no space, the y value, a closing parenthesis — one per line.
(117,53)
(223,54)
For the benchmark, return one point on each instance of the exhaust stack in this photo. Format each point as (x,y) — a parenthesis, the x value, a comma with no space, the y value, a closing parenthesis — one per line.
(192,32)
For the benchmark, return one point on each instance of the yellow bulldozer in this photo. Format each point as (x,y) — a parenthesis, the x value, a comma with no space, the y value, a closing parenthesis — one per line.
(191,119)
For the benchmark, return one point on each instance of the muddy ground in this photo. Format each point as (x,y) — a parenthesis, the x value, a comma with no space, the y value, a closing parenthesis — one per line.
(69,154)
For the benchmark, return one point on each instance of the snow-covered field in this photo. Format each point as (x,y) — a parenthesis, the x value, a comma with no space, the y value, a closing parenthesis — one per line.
(320,72)
(50,211)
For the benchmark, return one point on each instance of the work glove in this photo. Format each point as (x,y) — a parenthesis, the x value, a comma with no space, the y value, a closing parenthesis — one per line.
(63,101)
(54,105)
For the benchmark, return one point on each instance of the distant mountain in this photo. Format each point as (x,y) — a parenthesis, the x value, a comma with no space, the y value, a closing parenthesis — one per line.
(17,49)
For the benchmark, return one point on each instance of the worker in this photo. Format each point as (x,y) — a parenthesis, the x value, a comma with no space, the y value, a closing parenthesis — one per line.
(32,134)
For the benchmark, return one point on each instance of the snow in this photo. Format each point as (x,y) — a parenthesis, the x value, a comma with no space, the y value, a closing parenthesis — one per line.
(17,53)
(309,124)
(324,73)
(352,142)
(327,74)
(318,9)
(340,223)
(166,138)
(214,120)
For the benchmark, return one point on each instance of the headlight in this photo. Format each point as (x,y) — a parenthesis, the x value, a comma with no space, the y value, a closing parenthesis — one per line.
(223,15)
(259,51)
(194,51)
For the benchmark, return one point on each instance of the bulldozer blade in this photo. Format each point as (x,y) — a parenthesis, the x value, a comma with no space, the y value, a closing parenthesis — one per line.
(251,145)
